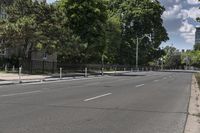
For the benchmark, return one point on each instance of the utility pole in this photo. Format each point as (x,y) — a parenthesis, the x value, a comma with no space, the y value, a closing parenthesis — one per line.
(137,46)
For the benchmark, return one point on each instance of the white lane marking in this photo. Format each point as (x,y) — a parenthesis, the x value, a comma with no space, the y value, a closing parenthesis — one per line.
(14,94)
(89,99)
(139,85)
(156,80)
(165,78)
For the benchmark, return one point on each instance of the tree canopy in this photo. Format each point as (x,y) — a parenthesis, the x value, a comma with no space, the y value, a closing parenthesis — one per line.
(87,31)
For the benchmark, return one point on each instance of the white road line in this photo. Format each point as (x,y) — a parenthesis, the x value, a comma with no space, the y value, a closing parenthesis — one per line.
(89,99)
(164,78)
(15,94)
(139,85)
(156,80)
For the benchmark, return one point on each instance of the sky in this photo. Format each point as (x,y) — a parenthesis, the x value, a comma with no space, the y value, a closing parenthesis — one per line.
(179,21)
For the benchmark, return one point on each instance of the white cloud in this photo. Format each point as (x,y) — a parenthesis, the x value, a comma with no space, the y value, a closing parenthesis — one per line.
(193,2)
(193,13)
(172,12)
(187,31)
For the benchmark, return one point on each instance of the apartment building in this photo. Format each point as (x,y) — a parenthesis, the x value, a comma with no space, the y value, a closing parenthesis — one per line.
(197,35)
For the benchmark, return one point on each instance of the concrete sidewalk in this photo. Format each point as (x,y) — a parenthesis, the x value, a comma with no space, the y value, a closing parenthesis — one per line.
(13,78)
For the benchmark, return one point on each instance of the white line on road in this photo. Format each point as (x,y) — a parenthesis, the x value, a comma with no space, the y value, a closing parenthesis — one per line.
(139,85)
(156,80)
(97,97)
(14,94)
(165,78)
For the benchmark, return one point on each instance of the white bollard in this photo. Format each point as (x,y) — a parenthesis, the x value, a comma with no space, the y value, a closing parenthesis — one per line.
(86,72)
(102,72)
(13,69)
(6,68)
(20,74)
(60,73)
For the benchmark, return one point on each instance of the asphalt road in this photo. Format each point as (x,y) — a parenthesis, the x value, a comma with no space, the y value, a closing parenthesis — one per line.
(151,103)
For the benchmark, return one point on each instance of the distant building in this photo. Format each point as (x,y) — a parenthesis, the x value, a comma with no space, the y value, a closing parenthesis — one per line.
(197,35)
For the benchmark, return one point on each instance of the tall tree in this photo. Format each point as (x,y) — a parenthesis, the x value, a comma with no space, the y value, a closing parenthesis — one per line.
(140,17)
(30,25)
(87,20)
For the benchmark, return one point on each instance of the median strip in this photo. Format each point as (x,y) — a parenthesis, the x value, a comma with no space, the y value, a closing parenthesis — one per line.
(89,99)
(24,93)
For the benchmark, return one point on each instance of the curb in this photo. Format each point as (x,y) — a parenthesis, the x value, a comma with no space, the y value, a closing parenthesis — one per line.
(48,80)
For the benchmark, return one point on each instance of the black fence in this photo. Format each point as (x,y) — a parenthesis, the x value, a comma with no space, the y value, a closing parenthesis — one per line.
(47,67)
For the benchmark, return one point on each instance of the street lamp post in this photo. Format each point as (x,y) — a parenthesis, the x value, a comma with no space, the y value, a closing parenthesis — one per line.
(137,47)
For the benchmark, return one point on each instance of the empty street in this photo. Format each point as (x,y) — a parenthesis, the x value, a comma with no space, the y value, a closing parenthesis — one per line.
(152,102)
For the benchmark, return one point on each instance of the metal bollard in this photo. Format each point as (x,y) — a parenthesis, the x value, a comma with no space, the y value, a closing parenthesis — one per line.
(20,74)
(60,73)
(124,69)
(131,69)
(86,72)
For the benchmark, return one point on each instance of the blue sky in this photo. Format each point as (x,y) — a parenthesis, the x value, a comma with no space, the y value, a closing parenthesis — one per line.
(50,1)
(180,21)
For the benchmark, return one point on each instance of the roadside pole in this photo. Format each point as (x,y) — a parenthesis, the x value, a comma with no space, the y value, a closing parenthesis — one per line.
(102,71)
(86,72)
(60,73)
(6,68)
(13,69)
(20,74)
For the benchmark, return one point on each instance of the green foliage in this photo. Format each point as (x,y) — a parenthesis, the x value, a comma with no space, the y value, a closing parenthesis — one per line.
(197,46)
(191,58)
(28,25)
(86,31)
(172,59)
(87,20)
(138,18)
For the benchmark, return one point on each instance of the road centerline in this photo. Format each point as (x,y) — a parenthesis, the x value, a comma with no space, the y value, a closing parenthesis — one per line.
(96,97)
(23,93)
(139,85)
